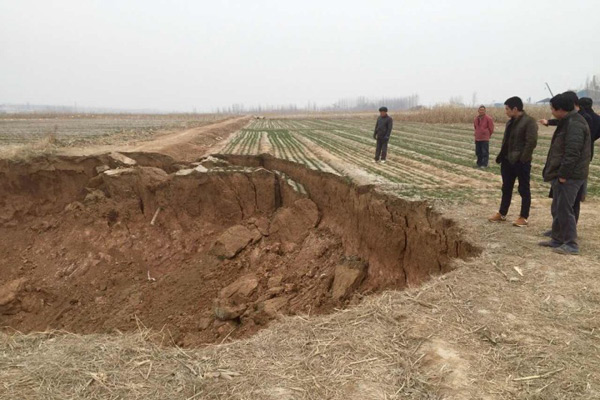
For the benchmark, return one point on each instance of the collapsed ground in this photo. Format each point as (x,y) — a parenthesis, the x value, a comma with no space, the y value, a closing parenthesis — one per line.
(206,250)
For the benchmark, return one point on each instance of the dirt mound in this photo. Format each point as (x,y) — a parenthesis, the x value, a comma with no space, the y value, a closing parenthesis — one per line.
(209,250)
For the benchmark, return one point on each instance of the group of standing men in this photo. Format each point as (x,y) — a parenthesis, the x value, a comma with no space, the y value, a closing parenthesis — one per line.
(566,168)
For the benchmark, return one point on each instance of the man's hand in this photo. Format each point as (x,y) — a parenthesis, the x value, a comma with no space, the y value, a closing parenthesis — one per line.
(562,180)
(543,122)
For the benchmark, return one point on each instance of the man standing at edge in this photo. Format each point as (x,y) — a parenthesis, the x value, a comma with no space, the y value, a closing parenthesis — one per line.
(383,130)
(484,127)
(567,167)
(518,143)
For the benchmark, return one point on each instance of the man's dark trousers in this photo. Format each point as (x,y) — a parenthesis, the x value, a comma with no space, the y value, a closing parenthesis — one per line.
(564,223)
(580,194)
(482,150)
(511,172)
(381,150)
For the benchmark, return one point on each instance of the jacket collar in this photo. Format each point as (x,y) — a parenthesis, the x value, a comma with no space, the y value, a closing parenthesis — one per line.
(520,116)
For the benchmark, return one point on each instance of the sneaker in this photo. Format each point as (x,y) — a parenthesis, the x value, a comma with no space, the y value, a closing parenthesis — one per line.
(375,161)
(547,233)
(520,222)
(497,218)
(382,161)
(550,243)
(566,250)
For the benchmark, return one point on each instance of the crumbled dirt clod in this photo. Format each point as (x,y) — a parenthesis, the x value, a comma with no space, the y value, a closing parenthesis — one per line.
(347,279)
(232,241)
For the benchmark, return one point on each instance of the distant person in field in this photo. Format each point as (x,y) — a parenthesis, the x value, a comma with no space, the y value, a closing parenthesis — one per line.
(383,130)
(518,143)
(484,127)
(567,168)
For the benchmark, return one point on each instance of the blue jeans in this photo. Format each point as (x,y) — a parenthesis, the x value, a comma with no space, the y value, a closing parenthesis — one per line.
(482,150)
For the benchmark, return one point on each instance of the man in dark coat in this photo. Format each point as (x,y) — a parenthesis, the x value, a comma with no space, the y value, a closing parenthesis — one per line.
(586,103)
(567,168)
(589,117)
(520,139)
(383,130)
(572,96)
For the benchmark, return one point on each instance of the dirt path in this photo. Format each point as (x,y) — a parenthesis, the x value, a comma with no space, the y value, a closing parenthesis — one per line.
(186,145)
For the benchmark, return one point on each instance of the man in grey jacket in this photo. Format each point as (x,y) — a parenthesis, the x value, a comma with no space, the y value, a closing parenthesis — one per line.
(567,168)
(383,130)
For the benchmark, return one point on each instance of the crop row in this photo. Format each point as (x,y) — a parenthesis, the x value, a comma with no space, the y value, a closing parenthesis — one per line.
(424,159)
(280,142)
(433,141)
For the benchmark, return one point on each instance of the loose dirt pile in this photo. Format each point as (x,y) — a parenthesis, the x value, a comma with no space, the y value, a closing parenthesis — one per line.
(208,250)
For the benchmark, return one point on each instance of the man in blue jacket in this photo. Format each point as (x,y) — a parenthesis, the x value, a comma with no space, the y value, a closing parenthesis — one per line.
(383,130)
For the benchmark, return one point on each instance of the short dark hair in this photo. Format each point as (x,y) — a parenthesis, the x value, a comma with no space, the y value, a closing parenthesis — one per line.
(383,109)
(562,102)
(572,96)
(514,102)
(586,103)
(482,106)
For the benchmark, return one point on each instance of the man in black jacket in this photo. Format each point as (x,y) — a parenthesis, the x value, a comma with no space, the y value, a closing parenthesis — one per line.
(520,139)
(586,103)
(383,130)
(589,118)
(572,96)
(567,167)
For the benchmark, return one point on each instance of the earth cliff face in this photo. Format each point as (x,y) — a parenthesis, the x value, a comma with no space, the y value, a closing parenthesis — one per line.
(208,249)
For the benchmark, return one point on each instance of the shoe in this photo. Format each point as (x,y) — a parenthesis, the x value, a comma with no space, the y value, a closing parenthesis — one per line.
(550,243)
(375,161)
(497,218)
(520,222)
(547,233)
(382,162)
(566,250)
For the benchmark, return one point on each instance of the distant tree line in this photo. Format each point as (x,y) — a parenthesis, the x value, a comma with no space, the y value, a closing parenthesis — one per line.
(360,103)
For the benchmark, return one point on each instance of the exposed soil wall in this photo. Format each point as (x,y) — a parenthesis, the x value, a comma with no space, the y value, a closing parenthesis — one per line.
(209,250)
(404,241)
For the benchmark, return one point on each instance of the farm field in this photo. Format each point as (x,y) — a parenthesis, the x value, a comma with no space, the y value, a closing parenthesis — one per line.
(425,160)
(86,129)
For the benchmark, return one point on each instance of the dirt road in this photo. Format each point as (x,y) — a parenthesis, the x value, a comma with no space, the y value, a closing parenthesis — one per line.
(186,145)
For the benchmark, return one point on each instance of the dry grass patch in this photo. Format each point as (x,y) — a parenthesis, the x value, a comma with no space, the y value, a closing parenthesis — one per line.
(45,146)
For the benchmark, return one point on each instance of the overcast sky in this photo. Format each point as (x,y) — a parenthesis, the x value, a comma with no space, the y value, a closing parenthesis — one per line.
(180,55)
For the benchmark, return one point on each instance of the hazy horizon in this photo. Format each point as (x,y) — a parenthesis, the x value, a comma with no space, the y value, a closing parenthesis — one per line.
(181,56)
